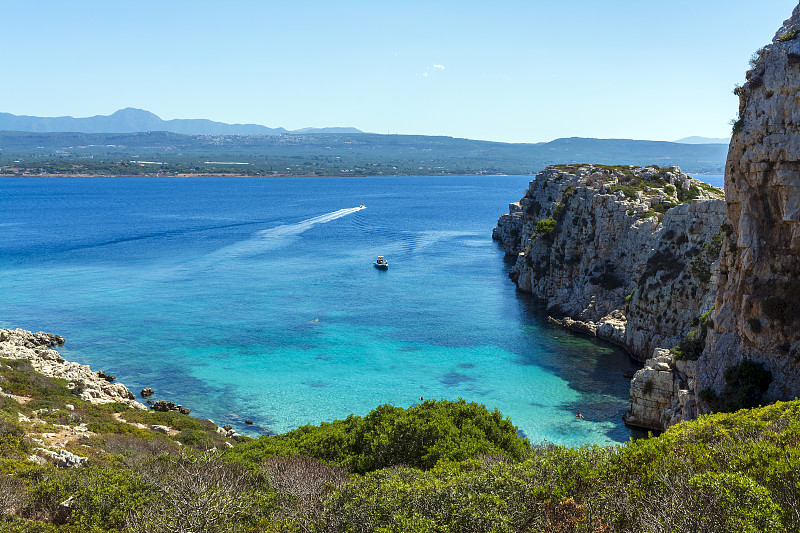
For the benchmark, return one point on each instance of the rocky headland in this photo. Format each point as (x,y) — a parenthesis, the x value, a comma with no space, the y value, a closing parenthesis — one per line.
(37,348)
(628,254)
(706,291)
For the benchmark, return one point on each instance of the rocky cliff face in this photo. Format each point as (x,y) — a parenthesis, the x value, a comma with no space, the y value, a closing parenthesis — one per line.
(625,253)
(758,301)
(718,280)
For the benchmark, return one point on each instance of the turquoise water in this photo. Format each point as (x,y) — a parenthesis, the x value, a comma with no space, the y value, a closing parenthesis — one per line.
(255,298)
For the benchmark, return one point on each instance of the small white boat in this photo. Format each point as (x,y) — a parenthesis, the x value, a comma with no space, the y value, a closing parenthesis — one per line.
(362,206)
(381,263)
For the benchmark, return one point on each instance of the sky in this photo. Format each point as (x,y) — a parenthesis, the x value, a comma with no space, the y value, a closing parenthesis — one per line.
(500,70)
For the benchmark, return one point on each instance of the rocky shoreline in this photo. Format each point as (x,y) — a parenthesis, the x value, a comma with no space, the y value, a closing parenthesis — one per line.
(90,386)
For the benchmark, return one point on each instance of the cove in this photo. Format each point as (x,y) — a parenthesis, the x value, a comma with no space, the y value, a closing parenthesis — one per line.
(256,298)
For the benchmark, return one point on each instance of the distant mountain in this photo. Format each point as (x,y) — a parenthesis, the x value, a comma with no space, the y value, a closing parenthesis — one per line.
(694,139)
(131,120)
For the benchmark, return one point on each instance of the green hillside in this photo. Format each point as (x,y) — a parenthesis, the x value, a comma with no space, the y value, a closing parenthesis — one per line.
(331,154)
(436,467)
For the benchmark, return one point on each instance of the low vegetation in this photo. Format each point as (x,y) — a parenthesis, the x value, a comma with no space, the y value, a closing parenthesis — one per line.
(332,154)
(434,467)
(691,346)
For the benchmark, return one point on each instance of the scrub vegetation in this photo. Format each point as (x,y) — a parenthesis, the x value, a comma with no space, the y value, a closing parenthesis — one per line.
(434,467)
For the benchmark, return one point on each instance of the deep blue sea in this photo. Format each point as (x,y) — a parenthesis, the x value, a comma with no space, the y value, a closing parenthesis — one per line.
(256,298)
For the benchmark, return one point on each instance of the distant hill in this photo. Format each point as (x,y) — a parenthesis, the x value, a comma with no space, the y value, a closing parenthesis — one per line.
(131,120)
(694,139)
(330,154)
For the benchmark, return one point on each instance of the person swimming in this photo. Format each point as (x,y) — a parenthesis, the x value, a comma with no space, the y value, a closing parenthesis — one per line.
(579,415)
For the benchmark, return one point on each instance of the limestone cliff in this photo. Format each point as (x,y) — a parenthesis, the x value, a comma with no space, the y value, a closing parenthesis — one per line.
(758,300)
(742,254)
(625,253)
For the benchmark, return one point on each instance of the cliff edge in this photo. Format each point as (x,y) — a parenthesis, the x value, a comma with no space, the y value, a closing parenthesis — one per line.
(708,291)
(758,299)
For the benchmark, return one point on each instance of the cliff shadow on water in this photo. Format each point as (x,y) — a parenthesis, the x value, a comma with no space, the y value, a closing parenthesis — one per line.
(597,370)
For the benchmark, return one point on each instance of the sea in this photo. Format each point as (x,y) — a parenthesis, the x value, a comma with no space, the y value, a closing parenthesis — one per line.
(256,299)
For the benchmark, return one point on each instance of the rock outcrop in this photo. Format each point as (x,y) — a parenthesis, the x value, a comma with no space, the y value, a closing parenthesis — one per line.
(662,393)
(758,301)
(628,254)
(88,385)
(164,406)
(719,281)
(62,458)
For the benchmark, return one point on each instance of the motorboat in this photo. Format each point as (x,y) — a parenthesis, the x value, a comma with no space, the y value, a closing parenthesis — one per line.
(381,263)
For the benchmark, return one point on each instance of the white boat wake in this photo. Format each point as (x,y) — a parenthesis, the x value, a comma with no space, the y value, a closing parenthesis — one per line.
(270,239)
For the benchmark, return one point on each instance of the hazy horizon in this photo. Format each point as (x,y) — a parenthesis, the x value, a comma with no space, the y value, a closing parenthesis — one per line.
(508,71)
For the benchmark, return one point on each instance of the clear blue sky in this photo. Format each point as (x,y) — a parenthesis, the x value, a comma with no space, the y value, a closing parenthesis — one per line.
(515,71)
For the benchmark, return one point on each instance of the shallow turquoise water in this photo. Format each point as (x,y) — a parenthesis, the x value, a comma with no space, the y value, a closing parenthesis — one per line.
(256,298)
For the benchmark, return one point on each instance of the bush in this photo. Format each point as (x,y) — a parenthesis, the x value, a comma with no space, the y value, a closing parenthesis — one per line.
(629,192)
(196,493)
(737,125)
(12,439)
(745,385)
(690,347)
(100,498)
(735,502)
(545,227)
(419,436)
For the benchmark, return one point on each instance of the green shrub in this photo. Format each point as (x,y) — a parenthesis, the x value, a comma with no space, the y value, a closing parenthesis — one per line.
(745,385)
(17,525)
(735,502)
(690,347)
(663,207)
(195,437)
(737,125)
(545,227)
(713,247)
(534,208)
(419,436)
(629,192)
(101,497)
(13,444)
(171,419)
(687,195)
(104,426)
